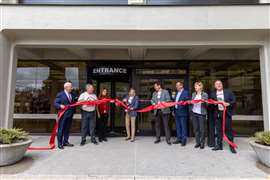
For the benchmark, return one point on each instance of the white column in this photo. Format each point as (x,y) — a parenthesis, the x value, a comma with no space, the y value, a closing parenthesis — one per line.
(264,1)
(265,81)
(8,63)
(9,1)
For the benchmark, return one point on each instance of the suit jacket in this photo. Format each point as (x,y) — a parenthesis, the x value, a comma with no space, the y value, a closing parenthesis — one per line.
(203,105)
(182,110)
(61,98)
(164,97)
(228,97)
(134,104)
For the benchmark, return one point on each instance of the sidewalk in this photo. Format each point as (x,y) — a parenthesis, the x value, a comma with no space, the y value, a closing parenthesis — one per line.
(119,159)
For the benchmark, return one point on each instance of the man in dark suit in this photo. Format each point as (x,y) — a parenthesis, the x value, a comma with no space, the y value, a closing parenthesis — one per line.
(228,98)
(181,114)
(62,99)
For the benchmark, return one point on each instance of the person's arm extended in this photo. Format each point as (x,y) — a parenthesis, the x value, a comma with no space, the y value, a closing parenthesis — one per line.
(212,96)
(75,98)
(125,99)
(57,102)
(80,98)
(97,109)
(153,99)
(167,96)
(205,98)
(232,98)
(186,97)
(136,104)
(98,113)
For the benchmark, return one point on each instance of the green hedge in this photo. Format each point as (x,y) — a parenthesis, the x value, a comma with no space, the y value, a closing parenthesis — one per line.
(263,137)
(13,135)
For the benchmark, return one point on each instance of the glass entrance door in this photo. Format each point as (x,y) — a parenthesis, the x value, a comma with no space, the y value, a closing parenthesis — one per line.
(116,114)
(121,90)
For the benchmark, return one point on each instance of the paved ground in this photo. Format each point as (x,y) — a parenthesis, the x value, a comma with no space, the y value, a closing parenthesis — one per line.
(118,159)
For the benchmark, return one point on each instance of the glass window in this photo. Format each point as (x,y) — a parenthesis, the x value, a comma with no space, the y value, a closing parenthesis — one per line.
(243,78)
(160,71)
(38,82)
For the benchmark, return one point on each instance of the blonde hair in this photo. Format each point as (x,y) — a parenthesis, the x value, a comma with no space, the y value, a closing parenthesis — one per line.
(199,83)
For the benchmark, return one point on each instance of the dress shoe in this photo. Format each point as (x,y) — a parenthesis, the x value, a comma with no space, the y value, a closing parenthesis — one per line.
(94,141)
(105,139)
(100,139)
(82,143)
(211,145)
(217,148)
(202,146)
(157,141)
(233,150)
(183,143)
(177,142)
(197,145)
(60,147)
(68,144)
(169,142)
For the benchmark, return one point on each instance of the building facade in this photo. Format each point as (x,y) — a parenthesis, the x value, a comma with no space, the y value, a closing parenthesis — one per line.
(121,44)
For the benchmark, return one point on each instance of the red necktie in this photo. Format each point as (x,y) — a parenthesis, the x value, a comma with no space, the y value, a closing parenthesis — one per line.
(69,98)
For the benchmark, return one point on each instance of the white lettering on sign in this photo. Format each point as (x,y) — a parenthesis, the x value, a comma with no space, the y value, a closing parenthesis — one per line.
(110,70)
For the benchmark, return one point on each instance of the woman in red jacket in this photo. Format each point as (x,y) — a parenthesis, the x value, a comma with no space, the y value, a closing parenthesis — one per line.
(103,115)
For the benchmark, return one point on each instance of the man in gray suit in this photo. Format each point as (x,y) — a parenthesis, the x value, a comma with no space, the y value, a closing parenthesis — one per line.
(161,95)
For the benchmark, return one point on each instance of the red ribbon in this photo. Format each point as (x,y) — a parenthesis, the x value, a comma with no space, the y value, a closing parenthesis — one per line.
(146,109)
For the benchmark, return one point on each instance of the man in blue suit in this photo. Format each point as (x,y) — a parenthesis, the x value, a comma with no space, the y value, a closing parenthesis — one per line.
(62,99)
(181,114)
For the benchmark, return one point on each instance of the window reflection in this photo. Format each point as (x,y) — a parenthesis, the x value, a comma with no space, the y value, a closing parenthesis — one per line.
(242,77)
(72,74)
(37,84)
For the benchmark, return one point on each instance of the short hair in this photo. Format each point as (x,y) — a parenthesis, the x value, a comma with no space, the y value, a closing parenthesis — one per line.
(132,89)
(67,84)
(198,83)
(217,81)
(89,85)
(181,82)
(158,83)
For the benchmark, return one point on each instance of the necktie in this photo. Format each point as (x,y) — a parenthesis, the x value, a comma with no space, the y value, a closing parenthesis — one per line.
(69,97)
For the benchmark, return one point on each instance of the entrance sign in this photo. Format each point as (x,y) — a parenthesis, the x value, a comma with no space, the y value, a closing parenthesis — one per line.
(109,71)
